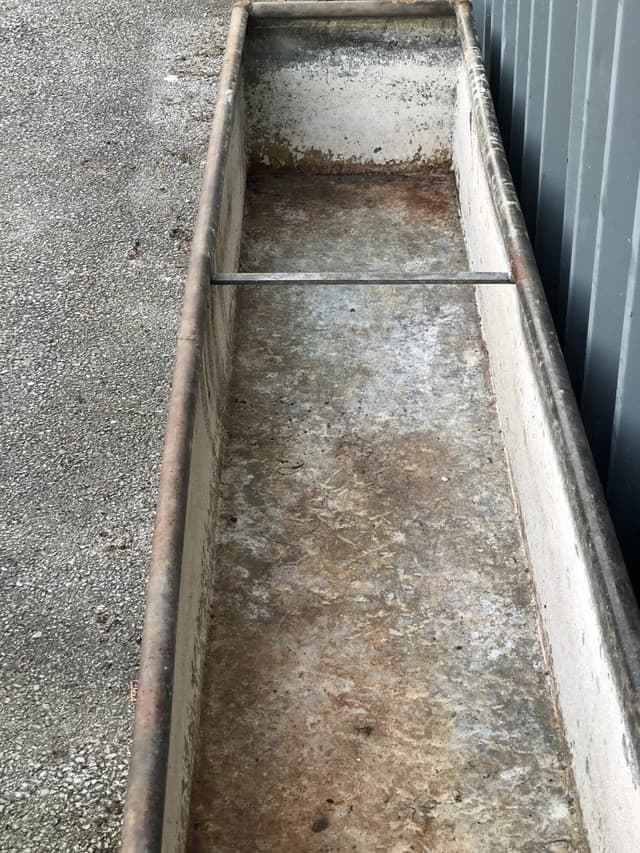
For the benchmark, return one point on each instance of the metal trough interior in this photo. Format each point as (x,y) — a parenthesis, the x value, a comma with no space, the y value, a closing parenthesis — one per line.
(387,549)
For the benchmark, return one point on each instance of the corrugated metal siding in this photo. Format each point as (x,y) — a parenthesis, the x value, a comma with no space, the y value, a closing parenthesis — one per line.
(565,77)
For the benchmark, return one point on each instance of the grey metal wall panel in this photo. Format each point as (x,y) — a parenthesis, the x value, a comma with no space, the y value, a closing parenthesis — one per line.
(495,43)
(479,11)
(613,245)
(564,75)
(624,466)
(534,106)
(591,116)
(581,64)
(507,60)
(519,90)
(486,34)
(556,114)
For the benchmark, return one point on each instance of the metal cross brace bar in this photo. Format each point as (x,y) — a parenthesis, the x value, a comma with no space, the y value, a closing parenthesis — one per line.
(465,278)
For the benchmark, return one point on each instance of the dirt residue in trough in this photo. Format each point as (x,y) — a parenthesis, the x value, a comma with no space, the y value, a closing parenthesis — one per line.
(352,223)
(278,157)
(374,680)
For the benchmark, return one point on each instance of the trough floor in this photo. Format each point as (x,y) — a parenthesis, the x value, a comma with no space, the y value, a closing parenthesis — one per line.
(374,679)
(352,224)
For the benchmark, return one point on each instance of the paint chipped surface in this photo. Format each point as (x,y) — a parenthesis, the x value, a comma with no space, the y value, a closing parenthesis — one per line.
(374,678)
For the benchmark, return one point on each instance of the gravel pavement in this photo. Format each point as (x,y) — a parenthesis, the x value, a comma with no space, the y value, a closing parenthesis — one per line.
(104,118)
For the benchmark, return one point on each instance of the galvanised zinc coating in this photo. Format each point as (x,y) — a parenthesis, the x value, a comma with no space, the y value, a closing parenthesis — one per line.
(564,76)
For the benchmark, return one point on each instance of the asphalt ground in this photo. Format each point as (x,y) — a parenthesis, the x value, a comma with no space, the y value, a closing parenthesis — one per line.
(104,119)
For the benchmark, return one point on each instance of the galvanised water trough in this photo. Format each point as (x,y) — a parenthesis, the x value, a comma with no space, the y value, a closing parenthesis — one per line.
(386,608)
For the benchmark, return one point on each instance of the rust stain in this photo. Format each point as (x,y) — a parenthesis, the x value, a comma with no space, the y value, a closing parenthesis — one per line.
(347,707)
(519,267)
(431,194)
(316,696)
(276,155)
(352,223)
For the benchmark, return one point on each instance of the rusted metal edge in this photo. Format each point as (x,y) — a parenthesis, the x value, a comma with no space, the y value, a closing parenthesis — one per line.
(351,9)
(618,611)
(461,278)
(144,807)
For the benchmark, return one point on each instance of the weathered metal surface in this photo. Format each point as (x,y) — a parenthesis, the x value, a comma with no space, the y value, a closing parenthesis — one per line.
(311,104)
(375,680)
(161,754)
(403,224)
(581,582)
(454,279)
(338,392)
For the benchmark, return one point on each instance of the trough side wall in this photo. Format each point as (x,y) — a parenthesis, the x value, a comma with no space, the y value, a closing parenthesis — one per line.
(202,502)
(336,96)
(561,540)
